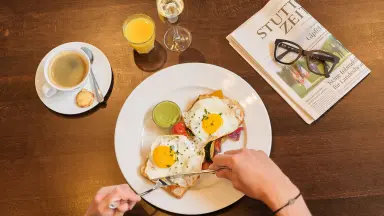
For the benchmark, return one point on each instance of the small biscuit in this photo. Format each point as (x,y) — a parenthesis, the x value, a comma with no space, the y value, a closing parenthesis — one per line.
(84,98)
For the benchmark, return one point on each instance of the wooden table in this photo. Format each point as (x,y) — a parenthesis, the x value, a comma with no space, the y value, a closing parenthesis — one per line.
(53,165)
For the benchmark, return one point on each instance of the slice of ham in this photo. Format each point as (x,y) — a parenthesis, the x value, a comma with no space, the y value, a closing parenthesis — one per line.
(235,135)
(217,143)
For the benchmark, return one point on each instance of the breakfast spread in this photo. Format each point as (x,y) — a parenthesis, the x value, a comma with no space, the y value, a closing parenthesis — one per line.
(194,140)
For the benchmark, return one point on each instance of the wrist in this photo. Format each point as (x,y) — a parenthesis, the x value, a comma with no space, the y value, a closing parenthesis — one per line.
(278,193)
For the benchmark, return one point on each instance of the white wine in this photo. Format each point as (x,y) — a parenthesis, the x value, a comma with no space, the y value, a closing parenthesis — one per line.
(170,9)
(176,38)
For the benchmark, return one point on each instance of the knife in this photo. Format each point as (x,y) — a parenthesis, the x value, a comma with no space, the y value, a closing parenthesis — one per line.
(208,171)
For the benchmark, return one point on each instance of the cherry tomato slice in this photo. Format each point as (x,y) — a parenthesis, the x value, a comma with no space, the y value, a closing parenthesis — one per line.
(179,129)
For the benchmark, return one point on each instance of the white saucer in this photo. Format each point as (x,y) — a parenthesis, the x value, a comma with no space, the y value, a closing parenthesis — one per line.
(65,102)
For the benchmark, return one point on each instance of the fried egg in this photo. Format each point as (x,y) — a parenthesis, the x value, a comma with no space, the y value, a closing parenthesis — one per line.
(174,154)
(211,118)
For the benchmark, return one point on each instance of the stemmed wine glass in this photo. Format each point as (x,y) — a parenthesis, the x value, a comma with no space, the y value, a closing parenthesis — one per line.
(176,38)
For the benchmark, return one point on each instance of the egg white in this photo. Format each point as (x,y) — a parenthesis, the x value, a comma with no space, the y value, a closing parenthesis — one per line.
(230,111)
(189,159)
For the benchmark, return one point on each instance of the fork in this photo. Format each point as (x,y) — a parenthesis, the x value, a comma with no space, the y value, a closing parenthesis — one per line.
(163,182)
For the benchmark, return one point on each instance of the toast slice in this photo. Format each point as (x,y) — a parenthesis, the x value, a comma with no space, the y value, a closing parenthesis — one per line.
(174,190)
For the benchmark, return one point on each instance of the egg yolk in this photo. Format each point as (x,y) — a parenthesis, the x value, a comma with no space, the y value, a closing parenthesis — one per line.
(164,156)
(217,93)
(211,123)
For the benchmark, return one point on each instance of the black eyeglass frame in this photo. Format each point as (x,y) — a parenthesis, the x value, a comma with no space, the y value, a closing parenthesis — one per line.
(308,54)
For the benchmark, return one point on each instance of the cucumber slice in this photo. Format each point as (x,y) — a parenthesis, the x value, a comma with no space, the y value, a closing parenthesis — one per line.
(207,149)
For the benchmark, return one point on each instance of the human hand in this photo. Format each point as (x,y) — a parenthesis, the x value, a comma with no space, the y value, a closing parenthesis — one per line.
(256,175)
(107,195)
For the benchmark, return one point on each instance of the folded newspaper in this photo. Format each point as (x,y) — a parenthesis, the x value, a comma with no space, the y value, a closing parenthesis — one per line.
(310,95)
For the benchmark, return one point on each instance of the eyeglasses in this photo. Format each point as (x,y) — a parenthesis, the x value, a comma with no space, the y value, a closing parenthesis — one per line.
(318,61)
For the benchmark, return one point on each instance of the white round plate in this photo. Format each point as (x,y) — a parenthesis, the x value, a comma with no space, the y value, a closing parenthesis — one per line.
(182,84)
(65,102)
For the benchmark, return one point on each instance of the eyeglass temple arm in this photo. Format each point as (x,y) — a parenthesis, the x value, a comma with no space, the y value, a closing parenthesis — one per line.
(324,58)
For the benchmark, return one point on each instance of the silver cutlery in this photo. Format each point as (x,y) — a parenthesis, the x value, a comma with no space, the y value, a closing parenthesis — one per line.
(163,182)
(208,171)
(99,94)
(168,181)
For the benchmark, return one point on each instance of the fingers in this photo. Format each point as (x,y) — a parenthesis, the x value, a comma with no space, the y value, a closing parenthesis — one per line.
(103,192)
(122,193)
(225,173)
(123,207)
(118,213)
(132,195)
(232,152)
(106,190)
(222,160)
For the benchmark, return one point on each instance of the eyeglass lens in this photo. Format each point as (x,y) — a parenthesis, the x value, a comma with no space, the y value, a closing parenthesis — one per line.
(320,63)
(287,52)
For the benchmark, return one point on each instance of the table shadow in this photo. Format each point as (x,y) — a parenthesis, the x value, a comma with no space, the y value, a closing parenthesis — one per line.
(152,61)
(191,55)
(94,109)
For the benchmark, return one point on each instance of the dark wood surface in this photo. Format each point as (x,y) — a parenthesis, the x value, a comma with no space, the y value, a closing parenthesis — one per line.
(52,164)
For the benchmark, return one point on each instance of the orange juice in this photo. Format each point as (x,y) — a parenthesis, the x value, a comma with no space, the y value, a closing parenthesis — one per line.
(139,30)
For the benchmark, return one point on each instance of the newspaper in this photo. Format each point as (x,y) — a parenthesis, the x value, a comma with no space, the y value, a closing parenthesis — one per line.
(310,95)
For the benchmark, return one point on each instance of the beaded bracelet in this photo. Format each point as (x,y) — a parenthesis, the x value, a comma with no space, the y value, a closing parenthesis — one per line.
(290,202)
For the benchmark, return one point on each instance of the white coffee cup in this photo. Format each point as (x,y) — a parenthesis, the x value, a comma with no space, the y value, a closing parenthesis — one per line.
(50,88)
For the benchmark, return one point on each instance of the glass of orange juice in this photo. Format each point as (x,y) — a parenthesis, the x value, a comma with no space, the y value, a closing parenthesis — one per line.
(139,29)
